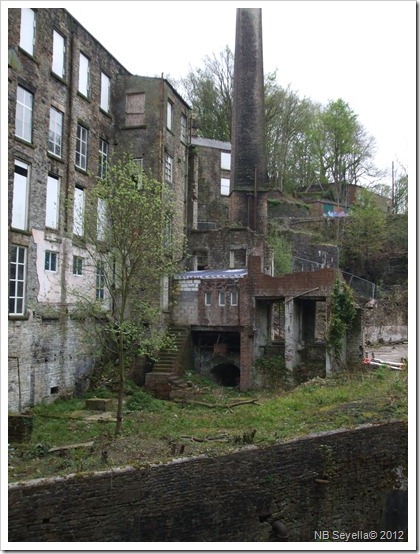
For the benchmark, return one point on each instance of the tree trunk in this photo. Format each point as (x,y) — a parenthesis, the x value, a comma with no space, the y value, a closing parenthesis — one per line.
(118,426)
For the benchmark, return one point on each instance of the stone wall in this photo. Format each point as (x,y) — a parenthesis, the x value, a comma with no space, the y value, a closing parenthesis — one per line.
(387,321)
(346,480)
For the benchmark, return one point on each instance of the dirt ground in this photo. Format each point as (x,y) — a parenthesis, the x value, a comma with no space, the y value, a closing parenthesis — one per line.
(388,352)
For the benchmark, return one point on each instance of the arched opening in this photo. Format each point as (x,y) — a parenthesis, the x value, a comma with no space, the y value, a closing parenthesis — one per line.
(227,375)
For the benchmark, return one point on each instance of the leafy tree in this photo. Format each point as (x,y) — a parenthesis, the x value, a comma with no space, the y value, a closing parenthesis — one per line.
(209,90)
(364,238)
(129,252)
(344,148)
(288,133)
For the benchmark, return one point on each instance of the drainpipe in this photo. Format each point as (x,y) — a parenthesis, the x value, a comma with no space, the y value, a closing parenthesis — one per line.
(68,171)
(160,170)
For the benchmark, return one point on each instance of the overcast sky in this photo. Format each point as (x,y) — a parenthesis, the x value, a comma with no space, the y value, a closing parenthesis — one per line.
(361,51)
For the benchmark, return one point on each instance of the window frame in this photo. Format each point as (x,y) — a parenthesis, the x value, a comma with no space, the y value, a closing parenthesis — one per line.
(81,150)
(52,202)
(78,211)
(78,265)
(58,62)
(24,109)
(51,255)
(224,186)
(27,27)
(169,165)
(101,219)
(103,157)
(55,130)
(169,115)
(207,298)
(83,86)
(234,297)
(105,92)
(222,298)
(224,164)
(184,129)
(20,210)
(100,280)
(15,261)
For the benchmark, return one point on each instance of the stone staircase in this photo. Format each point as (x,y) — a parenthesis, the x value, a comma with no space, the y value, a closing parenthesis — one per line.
(167,367)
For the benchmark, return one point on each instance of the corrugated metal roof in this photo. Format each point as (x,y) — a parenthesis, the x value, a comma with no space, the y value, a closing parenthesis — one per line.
(210,143)
(214,274)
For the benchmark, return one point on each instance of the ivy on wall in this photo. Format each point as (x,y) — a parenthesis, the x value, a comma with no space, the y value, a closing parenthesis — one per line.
(343,311)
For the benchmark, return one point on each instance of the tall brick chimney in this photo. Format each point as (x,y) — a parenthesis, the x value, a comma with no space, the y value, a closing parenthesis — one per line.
(249,180)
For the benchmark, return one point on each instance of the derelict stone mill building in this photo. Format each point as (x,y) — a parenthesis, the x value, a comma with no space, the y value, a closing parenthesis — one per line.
(72,105)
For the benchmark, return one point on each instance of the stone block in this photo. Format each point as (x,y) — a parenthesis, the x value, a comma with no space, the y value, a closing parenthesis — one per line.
(99,404)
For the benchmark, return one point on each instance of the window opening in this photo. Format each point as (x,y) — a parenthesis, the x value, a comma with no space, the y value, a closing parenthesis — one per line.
(50,261)
(81,147)
(52,202)
(83,75)
(24,107)
(55,136)
(20,196)
(77,265)
(105,88)
(59,52)
(27,30)
(17,279)
(78,211)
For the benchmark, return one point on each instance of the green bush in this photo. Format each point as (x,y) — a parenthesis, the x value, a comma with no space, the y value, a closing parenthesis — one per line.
(142,401)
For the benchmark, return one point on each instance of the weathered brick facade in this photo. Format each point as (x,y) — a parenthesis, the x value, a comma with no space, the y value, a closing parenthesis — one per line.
(223,211)
(44,324)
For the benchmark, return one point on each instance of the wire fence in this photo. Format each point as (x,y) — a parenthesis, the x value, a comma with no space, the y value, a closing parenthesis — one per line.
(362,287)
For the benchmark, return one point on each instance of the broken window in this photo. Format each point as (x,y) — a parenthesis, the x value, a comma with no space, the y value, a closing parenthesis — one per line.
(238,258)
(20,196)
(168,167)
(184,128)
(78,211)
(200,261)
(103,157)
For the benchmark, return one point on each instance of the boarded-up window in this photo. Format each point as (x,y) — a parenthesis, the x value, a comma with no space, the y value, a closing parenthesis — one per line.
(135,109)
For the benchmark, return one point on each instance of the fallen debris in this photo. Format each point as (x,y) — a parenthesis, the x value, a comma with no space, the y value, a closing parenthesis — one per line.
(376,362)
(223,406)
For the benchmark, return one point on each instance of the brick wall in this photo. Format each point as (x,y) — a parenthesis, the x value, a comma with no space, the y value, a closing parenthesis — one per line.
(47,354)
(231,498)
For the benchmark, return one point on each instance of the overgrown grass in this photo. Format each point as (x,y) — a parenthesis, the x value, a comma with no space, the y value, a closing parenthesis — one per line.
(155,430)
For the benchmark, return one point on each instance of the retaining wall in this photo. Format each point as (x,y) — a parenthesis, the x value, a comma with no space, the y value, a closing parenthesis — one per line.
(347,480)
